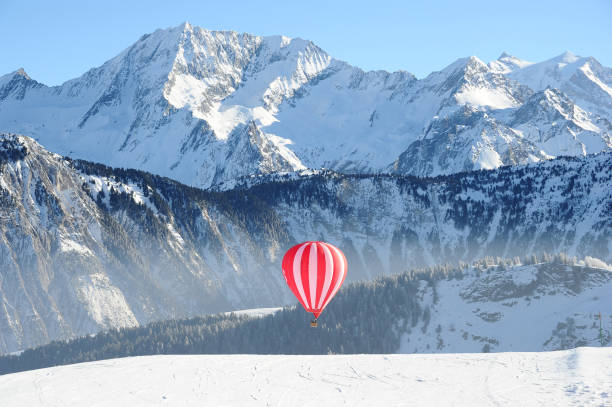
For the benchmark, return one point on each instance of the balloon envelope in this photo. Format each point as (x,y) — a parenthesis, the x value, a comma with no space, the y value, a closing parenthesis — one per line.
(314,271)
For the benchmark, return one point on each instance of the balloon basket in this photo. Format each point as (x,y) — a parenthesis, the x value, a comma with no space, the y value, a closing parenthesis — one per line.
(313,323)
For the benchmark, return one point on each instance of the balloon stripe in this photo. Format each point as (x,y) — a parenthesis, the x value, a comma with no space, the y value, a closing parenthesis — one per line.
(305,273)
(341,274)
(335,275)
(329,271)
(342,270)
(288,272)
(297,274)
(313,274)
(321,271)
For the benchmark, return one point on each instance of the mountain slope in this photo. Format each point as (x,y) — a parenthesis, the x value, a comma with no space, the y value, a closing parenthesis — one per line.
(85,247)
(203,107)
(580,376)
(584,80)
(546,306)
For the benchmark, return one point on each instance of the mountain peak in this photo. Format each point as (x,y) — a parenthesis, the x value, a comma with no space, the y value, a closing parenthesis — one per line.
(567,57)
(507,63)
(475,60)
(186,26)
(15,75)
(22,72)
(16,83)
(464,63)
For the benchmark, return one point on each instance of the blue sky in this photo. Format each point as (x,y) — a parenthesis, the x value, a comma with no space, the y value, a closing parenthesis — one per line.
(58,40)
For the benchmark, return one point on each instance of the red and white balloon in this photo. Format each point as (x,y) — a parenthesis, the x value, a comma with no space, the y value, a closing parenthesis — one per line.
(314,272)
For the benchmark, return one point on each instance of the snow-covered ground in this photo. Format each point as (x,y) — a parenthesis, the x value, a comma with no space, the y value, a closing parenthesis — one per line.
(488,311)
(255,312)
(581,376)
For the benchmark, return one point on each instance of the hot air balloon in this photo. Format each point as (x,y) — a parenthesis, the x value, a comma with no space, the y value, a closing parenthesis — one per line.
(314,271)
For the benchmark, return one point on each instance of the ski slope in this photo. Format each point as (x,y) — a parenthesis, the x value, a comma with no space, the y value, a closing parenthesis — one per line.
(581,376)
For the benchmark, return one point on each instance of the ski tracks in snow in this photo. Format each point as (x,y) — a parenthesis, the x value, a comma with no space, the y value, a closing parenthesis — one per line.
(564,378)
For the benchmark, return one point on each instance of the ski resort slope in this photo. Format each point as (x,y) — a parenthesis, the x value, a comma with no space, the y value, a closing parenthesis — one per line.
(580,376)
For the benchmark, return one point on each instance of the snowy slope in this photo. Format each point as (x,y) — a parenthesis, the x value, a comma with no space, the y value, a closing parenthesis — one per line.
(575,377)
(204,107)
(537,307)
(583,79)
(255,312)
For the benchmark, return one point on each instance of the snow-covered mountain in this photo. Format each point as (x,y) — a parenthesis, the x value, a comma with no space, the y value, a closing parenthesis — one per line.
(584,80)
(204,107)
(566,378)
(85,247)
(501,308)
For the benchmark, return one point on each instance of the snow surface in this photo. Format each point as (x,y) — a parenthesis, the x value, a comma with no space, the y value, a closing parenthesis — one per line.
(255,312)
(478,311)
(580,376)
(494,98)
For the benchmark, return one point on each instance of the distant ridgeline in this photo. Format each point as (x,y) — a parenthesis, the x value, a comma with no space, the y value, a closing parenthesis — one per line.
(408,312)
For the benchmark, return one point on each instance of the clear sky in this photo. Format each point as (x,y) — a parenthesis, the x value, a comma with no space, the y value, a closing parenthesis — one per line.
(58,40)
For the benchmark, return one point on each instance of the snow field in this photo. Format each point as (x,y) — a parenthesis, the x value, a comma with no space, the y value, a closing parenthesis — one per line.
(580,376)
